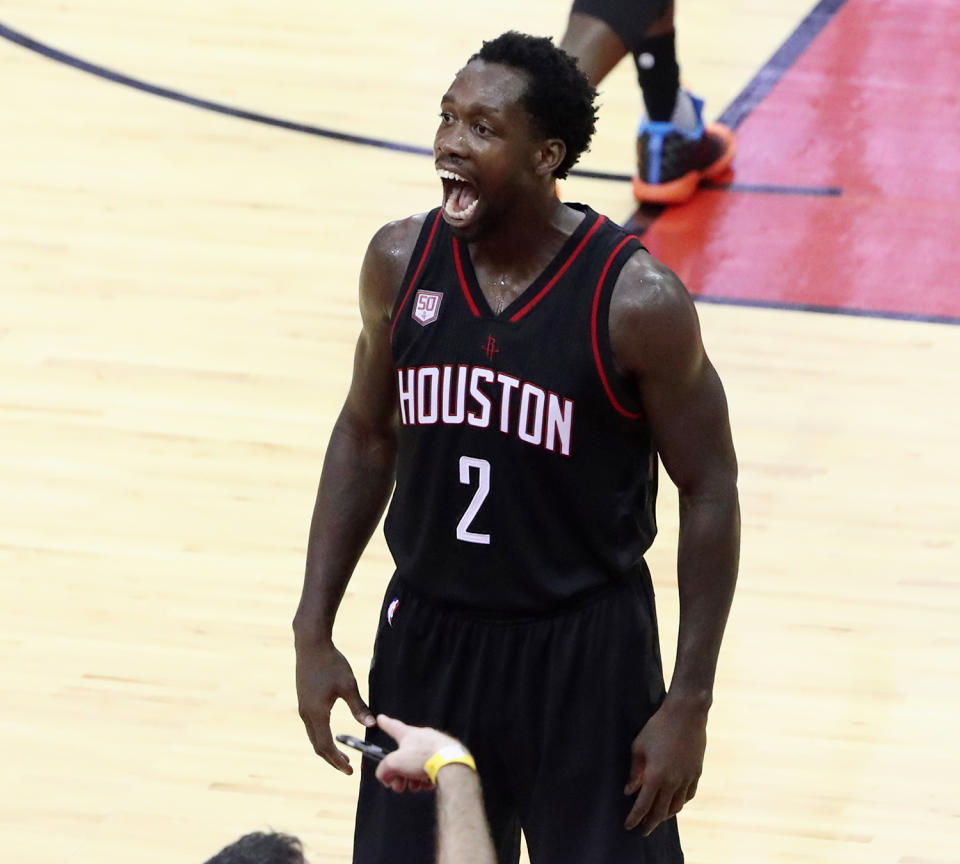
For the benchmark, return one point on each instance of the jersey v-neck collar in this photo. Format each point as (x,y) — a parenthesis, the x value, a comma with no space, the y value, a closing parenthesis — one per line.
(521,305)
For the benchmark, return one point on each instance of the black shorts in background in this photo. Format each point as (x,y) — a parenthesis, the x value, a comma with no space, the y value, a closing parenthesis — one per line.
(548,707)
(629,20)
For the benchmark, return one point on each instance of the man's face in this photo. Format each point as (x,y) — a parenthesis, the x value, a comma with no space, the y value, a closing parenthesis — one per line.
(485,148)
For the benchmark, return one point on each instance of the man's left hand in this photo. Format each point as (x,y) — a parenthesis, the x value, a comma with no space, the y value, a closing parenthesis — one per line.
(667,758)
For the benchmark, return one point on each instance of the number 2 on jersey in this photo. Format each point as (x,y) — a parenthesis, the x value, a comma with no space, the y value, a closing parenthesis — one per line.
(467,463)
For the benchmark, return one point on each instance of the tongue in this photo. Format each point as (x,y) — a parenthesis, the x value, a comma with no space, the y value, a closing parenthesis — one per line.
(463,197)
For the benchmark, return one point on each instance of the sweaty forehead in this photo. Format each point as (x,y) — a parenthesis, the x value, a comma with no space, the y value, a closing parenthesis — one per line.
(489,85)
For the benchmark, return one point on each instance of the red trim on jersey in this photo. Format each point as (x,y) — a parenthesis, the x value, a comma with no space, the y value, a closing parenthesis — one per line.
(594,332)
(416,274)
(463,279)
(573,257)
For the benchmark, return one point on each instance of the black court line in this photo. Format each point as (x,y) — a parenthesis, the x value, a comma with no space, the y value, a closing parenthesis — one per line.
(751,188)
(828,310)
(218,107)
(640,221)
(59,56)
(767,189)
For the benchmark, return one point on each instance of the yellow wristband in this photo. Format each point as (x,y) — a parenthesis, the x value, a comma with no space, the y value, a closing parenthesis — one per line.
(446,756)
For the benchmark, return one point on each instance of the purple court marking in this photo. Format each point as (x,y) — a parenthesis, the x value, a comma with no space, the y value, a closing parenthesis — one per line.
(752,95)
(785,56)
(59,56)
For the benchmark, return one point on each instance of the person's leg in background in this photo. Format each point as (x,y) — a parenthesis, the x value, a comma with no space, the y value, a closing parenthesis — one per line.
(675,149)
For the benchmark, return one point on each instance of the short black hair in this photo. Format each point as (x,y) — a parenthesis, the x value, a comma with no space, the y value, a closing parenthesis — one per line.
(558,97)
(261,848)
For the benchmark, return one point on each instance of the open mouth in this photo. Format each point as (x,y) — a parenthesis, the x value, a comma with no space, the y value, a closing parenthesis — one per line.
(460,196)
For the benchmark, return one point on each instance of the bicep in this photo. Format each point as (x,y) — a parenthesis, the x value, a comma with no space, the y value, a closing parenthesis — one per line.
(658,334)
(691,427)
(371,400)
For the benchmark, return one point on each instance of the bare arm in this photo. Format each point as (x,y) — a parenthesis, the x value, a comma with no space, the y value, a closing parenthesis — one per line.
(355,485)
(657,340)
(462,833)
(463,836)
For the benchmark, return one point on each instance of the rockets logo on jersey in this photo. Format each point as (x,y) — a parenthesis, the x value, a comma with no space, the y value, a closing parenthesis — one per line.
(426,306)
(485,399)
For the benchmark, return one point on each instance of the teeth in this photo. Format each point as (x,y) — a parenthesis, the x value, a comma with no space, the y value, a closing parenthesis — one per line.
(461,214)
(443,174)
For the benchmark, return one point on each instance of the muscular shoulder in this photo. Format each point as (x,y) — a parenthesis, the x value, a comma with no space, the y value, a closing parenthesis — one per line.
(386,261)
(653,322)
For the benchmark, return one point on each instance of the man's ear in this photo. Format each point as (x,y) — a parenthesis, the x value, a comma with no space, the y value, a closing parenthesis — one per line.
(549,156)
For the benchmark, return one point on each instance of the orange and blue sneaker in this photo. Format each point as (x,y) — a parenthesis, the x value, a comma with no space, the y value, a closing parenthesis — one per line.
(671,163)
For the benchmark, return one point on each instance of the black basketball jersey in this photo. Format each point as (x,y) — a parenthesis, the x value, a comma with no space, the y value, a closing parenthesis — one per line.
(526,474)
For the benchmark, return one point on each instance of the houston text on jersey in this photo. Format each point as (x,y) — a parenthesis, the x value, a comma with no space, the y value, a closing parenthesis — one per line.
(485,399)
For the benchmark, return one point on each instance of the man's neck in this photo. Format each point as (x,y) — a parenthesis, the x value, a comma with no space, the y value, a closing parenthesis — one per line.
(528,240)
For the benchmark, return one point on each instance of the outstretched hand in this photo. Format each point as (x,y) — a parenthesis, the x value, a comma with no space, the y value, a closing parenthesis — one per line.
(323,676)
(667,758)
(402,770)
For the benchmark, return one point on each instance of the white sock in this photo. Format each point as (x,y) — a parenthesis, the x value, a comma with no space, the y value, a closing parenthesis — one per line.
(684,115)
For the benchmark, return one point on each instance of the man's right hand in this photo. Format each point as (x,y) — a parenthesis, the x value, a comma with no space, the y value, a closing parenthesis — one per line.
(404,768)
(323,676)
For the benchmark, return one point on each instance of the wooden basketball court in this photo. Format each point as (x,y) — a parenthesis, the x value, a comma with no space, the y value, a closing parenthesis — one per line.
(178,290)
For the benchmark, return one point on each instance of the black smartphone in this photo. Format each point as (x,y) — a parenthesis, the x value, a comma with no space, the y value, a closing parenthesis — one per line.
(371,751)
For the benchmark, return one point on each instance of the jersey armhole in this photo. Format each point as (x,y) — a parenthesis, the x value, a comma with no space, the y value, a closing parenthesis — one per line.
(421,251)
(623,401)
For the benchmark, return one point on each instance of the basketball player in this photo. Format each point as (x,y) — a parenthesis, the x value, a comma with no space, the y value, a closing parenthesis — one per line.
(675,149)
(522,365)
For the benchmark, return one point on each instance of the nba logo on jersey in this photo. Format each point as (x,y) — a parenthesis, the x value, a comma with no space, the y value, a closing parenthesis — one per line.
(391,609)
(426,307)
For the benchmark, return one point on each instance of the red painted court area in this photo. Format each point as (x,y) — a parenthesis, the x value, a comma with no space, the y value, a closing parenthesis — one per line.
(871,107)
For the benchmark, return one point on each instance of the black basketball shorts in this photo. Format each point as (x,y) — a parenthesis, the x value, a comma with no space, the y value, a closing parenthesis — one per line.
(629,19)
(548,707)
